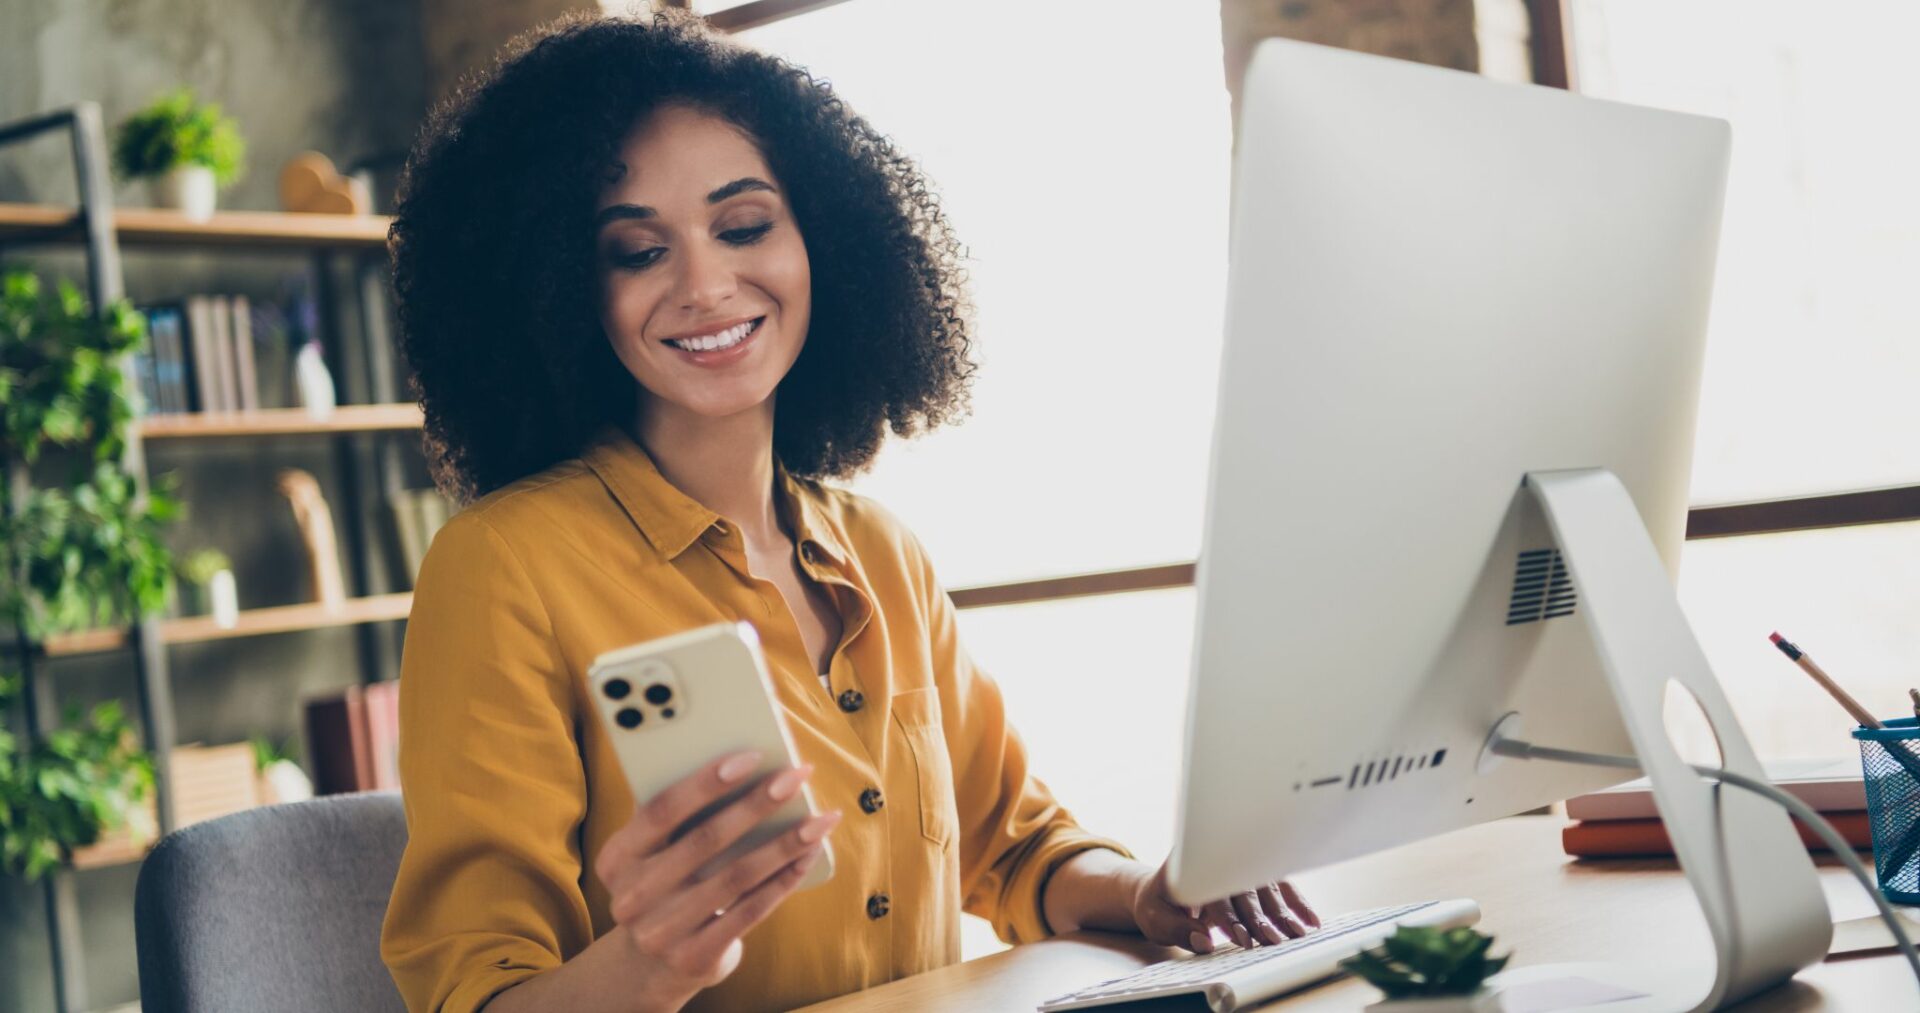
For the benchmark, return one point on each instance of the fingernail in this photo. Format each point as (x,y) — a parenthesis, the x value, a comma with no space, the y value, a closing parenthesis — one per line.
(787,783)
(817,827)
(1198,942)
(739,766)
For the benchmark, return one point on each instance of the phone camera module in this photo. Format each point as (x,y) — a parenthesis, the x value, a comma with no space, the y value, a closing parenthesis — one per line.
(629,717)
(658,694)
(666,712)
(616,689)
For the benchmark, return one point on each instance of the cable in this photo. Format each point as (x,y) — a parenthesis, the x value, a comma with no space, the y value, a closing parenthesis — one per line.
(1522,750)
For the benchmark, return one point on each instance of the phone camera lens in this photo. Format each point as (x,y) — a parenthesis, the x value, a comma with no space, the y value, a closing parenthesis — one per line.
(666,712)
(658,694)
(629,717)
(616,689)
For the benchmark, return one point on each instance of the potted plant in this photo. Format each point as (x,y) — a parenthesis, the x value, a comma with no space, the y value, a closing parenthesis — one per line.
(184,148)
(209,575)
(281,779)
(81,549)
(1430,970)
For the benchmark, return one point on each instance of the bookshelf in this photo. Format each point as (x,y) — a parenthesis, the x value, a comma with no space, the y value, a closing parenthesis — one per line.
(371,417)
(282,422)
(251,623)
(247,230)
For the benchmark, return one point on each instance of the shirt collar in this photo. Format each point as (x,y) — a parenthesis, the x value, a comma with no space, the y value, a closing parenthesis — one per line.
(672,520)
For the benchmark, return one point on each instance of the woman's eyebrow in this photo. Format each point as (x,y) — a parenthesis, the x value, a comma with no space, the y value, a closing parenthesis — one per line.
(620,212)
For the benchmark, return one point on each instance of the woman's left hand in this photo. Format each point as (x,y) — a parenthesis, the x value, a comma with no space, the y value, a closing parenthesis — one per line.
(1272,913)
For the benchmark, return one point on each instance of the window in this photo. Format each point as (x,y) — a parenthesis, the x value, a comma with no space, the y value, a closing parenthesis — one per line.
(1081,149)
(1090,186)
(1811,363)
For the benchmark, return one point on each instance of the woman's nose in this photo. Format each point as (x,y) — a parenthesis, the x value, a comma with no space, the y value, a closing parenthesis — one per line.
(706,279)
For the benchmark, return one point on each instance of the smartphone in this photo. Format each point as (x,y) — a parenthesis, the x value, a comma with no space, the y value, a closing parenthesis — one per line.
(672,705)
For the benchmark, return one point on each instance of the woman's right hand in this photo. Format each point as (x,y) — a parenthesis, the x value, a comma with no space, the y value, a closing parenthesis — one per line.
(685,930)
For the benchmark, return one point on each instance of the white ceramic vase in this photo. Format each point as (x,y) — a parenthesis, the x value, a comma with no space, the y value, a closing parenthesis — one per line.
(188,189)
(1484,1001)
(223,597)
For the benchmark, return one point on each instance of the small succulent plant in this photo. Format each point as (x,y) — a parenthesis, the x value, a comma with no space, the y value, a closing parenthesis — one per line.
(1424,962)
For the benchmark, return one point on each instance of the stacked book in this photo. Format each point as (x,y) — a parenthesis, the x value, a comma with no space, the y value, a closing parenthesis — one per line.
(200,356)
(1623,822)
(353,739)
(208,782)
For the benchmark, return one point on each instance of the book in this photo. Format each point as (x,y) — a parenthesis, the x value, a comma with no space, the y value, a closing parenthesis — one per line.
(353,739)
(226,359)
(383,733)
(243,351)
(1648,838)
(1828,785)
(169,375)
(202,367)
(338,751)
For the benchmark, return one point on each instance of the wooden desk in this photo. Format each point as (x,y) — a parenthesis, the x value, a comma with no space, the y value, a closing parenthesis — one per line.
(1536,901)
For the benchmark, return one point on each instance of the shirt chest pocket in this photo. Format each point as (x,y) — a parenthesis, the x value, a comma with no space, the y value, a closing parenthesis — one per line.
(917,713)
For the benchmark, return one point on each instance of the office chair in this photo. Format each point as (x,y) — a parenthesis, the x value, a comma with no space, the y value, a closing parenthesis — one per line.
(274,908)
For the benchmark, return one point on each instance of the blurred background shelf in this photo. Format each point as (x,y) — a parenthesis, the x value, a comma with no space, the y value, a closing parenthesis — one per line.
(252,623)
(155,227)
(281,422)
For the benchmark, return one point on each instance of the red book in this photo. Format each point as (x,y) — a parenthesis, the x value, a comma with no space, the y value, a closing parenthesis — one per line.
(383,733)
(1648,838)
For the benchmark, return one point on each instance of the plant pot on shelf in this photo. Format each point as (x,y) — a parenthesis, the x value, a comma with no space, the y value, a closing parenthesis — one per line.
(1486,1000)
(188,189)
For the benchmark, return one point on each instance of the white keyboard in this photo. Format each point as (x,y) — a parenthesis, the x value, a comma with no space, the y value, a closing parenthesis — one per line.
(1231,976)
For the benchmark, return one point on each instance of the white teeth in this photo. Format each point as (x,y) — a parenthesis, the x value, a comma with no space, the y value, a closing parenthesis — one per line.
(725,339)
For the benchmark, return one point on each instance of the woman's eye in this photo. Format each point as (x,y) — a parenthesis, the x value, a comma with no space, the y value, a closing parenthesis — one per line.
(747,236)
(639,259)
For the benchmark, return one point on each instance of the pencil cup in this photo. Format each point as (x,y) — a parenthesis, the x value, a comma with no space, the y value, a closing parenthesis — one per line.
(1890,762)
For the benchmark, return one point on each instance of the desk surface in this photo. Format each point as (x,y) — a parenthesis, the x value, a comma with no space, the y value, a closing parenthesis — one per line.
(1535,900)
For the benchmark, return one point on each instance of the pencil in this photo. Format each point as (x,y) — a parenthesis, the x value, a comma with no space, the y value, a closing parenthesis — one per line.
(1799,657)
(1904,849)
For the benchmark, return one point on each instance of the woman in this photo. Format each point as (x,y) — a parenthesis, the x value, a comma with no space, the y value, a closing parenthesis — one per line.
(653,287)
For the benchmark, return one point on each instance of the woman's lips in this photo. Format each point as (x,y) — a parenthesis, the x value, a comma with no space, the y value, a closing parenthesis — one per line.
(724,356)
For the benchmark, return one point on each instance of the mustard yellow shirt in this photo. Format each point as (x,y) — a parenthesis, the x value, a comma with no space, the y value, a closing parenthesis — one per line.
(511,787)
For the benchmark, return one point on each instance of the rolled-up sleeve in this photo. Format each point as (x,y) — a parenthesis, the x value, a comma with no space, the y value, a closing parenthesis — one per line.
(1013,834)
(489,889)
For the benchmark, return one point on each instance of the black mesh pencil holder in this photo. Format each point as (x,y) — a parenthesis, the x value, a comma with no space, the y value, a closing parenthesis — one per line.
(1890,761)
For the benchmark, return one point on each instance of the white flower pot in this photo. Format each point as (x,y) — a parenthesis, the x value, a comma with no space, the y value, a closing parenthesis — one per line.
(284,781)
(1484,1001)
(224,598)
(188,189)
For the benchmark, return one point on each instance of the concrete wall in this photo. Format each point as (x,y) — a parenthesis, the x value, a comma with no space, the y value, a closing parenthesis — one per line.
(345,77)
(1488,36)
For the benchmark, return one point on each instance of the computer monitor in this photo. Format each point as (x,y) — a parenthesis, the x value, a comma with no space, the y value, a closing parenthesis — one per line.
(1438,286)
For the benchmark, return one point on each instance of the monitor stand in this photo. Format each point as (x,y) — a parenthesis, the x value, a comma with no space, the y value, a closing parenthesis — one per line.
(1751,873)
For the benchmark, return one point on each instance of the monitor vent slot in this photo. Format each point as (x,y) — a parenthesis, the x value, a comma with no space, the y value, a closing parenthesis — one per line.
(1369,773)
(1542,588)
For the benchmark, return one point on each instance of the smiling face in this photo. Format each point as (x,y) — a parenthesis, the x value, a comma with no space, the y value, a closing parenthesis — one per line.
(705,290)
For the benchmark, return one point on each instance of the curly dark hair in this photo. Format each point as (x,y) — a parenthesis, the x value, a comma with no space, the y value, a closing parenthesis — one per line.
(494,270)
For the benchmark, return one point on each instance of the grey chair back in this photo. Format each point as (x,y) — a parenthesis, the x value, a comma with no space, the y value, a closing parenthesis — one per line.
(276,908)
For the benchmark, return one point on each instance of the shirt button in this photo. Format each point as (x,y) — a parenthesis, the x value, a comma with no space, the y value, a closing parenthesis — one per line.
(877,906)
(871,800)
(852,700)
